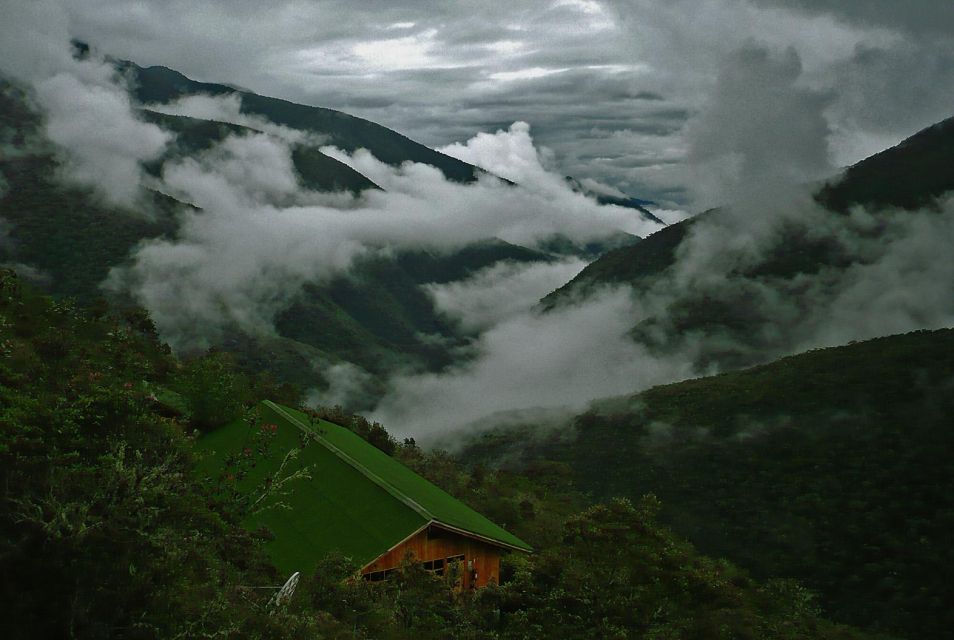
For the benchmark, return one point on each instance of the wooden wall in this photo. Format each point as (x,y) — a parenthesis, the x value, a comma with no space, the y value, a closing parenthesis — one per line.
(480,565)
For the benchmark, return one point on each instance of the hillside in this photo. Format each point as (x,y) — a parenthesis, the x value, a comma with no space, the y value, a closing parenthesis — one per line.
(161,85)
(910,175)
(376,317)
(106,529)
(316,171)
(832,467)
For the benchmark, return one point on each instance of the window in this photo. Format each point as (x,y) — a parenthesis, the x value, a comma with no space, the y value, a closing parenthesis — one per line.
(379,576)
(435,566)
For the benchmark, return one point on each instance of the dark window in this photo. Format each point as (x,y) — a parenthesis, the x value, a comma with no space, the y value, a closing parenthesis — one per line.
(435,566)
(379,576)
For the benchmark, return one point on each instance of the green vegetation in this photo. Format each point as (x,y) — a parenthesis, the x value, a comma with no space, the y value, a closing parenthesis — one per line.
(910,175)
(105,531)
(343,494)
(831,470)
(833,467)
(635,264)
(67,235)
(102,531)
(376,317)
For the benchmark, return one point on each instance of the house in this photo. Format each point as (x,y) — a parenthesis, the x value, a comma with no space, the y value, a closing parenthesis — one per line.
(342,494)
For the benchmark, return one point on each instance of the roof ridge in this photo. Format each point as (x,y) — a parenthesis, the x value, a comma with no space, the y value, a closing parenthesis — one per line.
(381,482)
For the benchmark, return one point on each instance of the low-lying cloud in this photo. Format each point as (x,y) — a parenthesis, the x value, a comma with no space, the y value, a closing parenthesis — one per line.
(532,361)
(228,108)
(87,110)
(501,291)
(890,272)
(259,236)
(760,129)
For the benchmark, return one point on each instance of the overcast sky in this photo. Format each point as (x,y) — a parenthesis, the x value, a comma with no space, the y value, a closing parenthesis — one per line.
(612,87)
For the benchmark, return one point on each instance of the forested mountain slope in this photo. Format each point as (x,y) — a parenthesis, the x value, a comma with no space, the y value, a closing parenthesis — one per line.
(107,531)
(833,467)
(68,239)
(161,85)
(910,175)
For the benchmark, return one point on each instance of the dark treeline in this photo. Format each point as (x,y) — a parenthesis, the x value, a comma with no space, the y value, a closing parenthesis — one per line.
(106,532)
(833,467)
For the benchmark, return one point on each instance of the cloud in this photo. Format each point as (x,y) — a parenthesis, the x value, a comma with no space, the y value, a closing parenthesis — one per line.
(105,143)
(242,170)
(526,214)
(509,154)
(531,362)
(259,236)
(439,85)
(759,128)
(904,282)
(758,144)
(228,108)
(666,100)
(893,274)
(87,110)
(349,385)
(501,291)
(918,17)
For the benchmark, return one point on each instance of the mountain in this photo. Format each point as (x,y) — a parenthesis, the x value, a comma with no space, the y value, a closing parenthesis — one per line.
(316,171)
(64,234)
(626,202)
(833,467)
(110,529)
(161,85)
(910,175)
(769,277)
(377,316)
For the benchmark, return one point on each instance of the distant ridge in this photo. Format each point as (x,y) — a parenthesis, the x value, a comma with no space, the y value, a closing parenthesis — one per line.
(909,175)
(161,85)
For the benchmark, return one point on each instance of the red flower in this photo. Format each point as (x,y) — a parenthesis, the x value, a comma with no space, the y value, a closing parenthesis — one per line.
(247,451)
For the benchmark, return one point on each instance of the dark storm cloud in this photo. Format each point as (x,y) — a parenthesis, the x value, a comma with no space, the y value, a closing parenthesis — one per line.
(440,72)
(921,17)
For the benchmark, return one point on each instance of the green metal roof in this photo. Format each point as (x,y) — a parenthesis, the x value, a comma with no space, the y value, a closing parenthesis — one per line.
(359,500)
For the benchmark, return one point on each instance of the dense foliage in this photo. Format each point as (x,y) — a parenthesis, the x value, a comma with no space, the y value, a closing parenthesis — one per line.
(106,531)
(833,467)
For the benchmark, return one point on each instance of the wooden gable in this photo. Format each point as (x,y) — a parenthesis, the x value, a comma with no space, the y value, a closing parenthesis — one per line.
(439,549)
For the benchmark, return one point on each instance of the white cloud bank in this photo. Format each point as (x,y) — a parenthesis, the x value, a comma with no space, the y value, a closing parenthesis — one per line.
(259,236)
(88,112)
(532,361)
